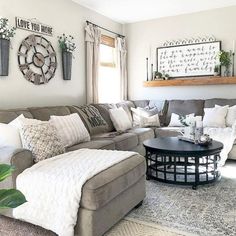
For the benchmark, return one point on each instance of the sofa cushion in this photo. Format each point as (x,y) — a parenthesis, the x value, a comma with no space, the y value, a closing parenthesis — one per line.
(44,113)
(104,111)
(91,117)
(184,107)
(6,116)
(168,131)
(108,184)
(94,144)
(143,134)
(124,141)
(209,103)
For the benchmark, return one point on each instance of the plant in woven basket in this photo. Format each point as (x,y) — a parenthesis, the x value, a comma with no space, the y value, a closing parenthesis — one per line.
(9,198)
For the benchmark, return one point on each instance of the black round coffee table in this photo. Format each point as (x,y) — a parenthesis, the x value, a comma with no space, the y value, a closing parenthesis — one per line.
(171,160)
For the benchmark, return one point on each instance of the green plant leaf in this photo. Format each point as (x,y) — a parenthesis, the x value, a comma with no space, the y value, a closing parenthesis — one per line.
(11,198)
(5,171)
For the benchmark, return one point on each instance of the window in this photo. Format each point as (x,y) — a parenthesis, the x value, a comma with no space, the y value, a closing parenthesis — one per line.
(108,78)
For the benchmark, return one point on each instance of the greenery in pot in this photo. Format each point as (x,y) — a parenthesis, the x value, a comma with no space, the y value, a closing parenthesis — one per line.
(6,32)
(166,76)
(225,60)
(217,70)
(158,75)
(9,198)
(66,43)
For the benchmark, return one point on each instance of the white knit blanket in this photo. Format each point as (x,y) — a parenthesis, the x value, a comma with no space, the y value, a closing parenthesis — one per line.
(53,187)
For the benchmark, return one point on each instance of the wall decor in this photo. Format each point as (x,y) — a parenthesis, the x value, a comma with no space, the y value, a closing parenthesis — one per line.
(67,47)
(197,59)
(37,59)
(6,33)
(33,25)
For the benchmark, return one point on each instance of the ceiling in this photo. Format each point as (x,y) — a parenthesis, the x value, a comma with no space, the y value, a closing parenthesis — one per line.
(129,11)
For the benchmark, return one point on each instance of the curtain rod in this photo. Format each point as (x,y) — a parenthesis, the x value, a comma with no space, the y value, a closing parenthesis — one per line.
(120,35)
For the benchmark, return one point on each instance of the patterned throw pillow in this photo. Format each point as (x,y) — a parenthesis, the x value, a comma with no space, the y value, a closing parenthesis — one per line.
(70,129)
(92,118)
(42,140)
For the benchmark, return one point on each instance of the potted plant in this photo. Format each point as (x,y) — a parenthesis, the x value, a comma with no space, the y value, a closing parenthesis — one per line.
(6,33)
(158,75)
(67,47)
(9,198)
(225,60)
(217,70)
(166,76)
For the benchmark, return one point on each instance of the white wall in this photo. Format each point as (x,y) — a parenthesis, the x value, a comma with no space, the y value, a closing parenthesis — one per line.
(153,33)
(66,17)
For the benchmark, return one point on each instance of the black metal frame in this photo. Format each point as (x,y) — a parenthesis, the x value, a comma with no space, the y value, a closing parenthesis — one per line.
(165,167)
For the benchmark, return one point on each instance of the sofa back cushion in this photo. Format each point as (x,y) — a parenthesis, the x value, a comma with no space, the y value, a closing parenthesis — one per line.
(92,118)
(104,111)
(209,103)
(184,107)
(44,113)
(126,105)
(141,103)
(6,116)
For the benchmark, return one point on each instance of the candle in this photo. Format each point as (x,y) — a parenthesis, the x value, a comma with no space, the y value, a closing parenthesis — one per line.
(233,46)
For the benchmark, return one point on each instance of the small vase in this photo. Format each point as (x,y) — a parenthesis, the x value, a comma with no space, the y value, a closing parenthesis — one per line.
(4,57)
(66,65)
(227,72)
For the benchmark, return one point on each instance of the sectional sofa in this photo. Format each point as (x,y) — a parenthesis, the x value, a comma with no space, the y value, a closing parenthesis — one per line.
(112,190)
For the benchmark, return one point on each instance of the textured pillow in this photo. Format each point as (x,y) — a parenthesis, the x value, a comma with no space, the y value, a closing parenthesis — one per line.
(42,140)
(70,129)
(145,117)
(215,117)
(231,115)
(92,118)
(9,136)
(175,120)
(120,119)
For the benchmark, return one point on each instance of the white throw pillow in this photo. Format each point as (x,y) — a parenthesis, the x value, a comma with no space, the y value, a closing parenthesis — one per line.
(215,117)
(175,120)
(9,136)
(71,129)
(120,119)
(145,118)
(231,115)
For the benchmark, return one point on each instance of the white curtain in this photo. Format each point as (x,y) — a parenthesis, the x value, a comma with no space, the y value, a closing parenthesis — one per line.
(92,39)
(122,66)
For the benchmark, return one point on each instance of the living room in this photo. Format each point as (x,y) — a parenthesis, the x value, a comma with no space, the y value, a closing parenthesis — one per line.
(122,113)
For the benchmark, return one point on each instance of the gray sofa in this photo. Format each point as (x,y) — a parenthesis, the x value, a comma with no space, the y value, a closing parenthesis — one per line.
(108,196)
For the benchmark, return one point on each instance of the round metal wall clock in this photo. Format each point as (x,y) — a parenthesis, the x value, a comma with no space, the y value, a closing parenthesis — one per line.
(37,59)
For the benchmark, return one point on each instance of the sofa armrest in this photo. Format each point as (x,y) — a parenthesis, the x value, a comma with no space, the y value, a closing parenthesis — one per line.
(20,158)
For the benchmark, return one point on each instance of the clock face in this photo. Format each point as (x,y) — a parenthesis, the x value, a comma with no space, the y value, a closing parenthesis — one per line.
(37,59)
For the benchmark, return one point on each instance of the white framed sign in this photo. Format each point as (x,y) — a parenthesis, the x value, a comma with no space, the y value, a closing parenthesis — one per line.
(34,26)
(188,60)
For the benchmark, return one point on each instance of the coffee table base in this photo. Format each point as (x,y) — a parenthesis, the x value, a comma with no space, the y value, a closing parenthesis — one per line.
(183,170)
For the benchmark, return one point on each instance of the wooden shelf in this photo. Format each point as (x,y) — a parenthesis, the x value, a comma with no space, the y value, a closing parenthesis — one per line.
(191,81)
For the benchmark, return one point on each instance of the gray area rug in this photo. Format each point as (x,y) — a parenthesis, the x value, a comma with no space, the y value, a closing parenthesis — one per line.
(209,210)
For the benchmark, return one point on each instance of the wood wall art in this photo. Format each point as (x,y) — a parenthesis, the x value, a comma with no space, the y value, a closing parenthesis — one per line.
(198,59)
(37,59)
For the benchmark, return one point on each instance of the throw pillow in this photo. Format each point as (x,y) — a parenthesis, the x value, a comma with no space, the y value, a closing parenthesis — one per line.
(215,117)
(70,129)
(92,119)
(175,120)
(9,136)
(145,117)
(120,119)
(42,140)
(231,115)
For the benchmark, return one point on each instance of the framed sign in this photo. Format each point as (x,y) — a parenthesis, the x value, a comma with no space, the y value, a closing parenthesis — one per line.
(34,26)
(188,60)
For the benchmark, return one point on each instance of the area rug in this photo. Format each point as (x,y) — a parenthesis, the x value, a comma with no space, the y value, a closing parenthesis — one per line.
(209,210)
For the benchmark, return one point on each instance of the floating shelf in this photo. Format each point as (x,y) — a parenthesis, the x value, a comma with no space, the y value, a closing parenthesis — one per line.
(191,81)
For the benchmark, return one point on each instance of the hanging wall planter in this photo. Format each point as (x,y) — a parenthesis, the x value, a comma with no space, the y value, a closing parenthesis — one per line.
(66,65)
(6,33)
(67,46)
(4,57)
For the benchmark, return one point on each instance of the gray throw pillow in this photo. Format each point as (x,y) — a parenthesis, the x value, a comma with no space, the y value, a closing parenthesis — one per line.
(92,119)
(42,140)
